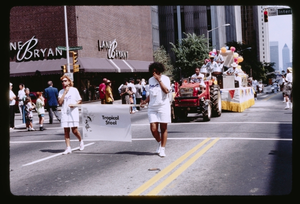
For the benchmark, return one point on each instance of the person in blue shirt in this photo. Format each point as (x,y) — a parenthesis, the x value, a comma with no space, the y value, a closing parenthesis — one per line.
(51,94)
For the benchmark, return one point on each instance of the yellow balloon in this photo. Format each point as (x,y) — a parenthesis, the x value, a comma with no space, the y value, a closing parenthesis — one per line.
(235,55)
(240,59)
(223,49)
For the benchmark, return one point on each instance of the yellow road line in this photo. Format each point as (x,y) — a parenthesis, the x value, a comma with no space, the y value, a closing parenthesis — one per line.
(169,168)
(181,169)
(271,96)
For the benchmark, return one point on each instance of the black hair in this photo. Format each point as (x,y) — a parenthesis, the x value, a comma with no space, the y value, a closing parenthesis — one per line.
(158,66)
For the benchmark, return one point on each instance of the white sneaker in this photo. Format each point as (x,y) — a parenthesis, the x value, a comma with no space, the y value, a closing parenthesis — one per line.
(158,148)
(162,152)
(67,151)
(81,145)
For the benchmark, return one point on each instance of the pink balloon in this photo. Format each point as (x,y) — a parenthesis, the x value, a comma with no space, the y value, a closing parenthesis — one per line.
(232,49)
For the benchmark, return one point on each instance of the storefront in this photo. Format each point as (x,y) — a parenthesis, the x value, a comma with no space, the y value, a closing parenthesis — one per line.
(116,45)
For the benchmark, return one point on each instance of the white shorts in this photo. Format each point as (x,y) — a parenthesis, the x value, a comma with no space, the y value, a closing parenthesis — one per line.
(69,124)
(162,115)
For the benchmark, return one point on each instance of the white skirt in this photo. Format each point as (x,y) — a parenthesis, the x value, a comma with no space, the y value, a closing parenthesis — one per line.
(161,115)
(69,124)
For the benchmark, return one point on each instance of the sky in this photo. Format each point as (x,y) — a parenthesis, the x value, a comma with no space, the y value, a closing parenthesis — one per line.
(280,29)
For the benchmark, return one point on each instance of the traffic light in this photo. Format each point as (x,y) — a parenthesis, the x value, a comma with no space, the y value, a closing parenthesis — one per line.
(64,68)
(265,16)
(75,57)
(75,60)
(76,67)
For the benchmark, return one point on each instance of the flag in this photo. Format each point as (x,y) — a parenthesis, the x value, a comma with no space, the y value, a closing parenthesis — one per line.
(231,93)
(106,122)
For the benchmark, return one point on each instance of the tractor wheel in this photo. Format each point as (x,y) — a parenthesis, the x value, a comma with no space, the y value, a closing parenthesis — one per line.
(206,107)
(215,97)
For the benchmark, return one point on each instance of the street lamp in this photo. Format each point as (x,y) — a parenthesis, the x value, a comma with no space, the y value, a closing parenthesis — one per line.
(227,24)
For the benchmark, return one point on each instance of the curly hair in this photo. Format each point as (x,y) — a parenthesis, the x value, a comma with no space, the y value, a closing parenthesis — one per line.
(158,66)
(68,78)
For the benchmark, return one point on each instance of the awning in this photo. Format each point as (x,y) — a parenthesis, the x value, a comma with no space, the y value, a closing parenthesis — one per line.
(139,66)
(87,64)
(30,67)
(93,64)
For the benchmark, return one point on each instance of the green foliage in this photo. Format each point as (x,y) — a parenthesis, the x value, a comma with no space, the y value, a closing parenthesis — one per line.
(161,55)
(190,53)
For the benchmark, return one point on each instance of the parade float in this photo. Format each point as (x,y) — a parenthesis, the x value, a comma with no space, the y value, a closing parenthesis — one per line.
(223,90)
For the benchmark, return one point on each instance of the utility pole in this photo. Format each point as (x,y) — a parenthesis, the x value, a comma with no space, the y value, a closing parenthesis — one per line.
(67,40)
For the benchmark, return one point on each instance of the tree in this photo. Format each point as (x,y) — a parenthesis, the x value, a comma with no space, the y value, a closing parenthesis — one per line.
(161,55)
(190,53)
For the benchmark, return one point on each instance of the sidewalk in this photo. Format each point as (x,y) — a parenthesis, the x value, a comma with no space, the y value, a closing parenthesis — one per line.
(20,125)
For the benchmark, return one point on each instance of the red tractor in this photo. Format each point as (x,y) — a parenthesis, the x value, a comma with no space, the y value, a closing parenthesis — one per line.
(190,99)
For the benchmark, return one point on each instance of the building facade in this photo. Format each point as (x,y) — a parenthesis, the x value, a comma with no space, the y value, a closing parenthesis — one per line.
(285,57)
(274,54)
(117,43)
(199,20)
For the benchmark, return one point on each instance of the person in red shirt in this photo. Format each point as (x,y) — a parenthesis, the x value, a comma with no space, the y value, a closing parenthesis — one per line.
(102,88)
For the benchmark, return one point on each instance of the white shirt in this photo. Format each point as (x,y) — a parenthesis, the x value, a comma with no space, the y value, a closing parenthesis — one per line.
(158,98)
(69,114)
(11,94)
(40,106)
(289,77)
(133,89)
(197,80)
(21,95)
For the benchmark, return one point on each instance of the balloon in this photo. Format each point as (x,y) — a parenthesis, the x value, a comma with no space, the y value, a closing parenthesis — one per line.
(227,48)
(235,60)
(235,55)
(240,59)
(232,48)
(223,49)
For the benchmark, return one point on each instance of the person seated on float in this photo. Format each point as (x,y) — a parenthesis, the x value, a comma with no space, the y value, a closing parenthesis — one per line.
(234,71)
(198,78)
(219,59)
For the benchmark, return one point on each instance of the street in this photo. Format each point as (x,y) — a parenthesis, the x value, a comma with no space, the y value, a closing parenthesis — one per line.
(248,153)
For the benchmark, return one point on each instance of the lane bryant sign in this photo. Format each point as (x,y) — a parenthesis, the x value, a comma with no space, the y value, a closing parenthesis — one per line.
(112,51)
(26,51)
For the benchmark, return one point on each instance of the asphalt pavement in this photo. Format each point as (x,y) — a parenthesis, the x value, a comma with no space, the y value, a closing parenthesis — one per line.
(248,153)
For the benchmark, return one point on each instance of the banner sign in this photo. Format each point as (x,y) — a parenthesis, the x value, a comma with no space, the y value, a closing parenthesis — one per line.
(106,122)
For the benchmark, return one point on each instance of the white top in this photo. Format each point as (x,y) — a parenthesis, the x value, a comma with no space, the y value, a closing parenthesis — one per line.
(21,95)
(197,80)
(133,89)
(158,99)
(11,94)
(72,97)
(40,106)
(289,77)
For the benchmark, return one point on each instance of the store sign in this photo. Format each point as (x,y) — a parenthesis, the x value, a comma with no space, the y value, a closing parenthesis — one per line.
(26,51)
(112,51)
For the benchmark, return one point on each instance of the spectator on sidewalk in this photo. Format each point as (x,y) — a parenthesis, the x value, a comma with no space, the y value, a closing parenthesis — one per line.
(51,94)
(12,102)
(101,89)
(21,95)
(109,99)
(138,94)
(29,106)
(133,90)
(40,103)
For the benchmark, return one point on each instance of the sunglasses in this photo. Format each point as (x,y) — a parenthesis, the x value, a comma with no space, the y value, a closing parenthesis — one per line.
(64,80)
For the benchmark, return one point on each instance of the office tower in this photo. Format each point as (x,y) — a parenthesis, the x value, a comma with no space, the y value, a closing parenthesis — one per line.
(274,54)
(285,57)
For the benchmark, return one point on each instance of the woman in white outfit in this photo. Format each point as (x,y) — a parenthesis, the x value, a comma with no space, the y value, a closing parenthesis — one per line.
(67,97)
(288,81)
(159,109)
